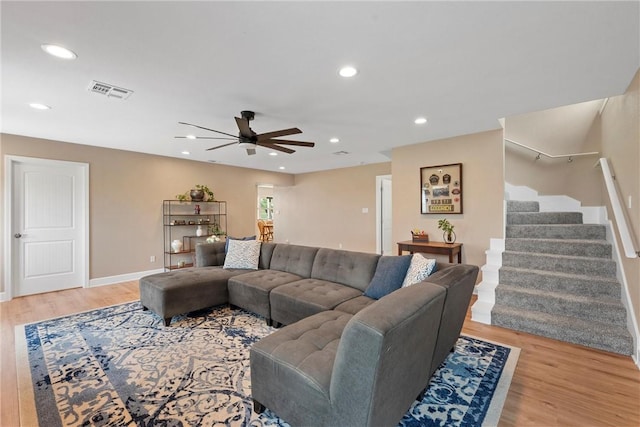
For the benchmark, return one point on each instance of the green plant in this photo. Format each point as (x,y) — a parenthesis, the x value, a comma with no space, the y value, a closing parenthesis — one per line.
(445,226)
(207,191)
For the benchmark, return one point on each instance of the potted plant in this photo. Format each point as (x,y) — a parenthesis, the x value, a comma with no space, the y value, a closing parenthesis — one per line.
(197,194)
(448,235)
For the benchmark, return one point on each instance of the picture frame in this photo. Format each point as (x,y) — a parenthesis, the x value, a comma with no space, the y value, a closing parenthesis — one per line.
(441,189)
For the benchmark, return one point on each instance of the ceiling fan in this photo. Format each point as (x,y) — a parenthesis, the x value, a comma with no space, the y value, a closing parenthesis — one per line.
(249,140)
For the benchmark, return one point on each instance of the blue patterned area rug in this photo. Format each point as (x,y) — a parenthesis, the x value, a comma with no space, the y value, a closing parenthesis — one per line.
(119,366)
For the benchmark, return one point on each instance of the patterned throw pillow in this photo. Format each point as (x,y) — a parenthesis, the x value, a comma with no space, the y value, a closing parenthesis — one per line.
(420,269)
(389,275)
(229,238)
(243,254)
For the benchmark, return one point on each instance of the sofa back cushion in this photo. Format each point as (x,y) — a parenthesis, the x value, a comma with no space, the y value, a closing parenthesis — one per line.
(266,252)
(355,269)
(210,254)
(293,259)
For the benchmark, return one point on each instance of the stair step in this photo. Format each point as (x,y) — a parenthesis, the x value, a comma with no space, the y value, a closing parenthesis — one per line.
(551,281)
(575,247)
(519,218)
(597,309)
(563,263)
(557,231)
(598,335)
(522,206)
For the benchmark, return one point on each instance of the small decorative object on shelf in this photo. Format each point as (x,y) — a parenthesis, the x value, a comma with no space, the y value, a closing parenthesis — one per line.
(419,235)
(197,209)
(176,245)
(199,231)
(449,236)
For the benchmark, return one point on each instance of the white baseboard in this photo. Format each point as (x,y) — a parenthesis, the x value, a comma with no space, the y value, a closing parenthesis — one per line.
(3,297)
(110,280)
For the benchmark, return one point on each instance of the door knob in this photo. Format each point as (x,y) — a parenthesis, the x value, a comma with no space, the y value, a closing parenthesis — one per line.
(17,235)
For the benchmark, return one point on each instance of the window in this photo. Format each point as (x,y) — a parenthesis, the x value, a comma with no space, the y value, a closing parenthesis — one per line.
(265,207)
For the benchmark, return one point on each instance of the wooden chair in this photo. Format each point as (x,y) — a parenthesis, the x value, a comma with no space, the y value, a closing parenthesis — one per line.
(261,230)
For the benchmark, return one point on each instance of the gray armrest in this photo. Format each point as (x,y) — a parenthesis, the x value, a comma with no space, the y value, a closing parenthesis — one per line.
(384,356)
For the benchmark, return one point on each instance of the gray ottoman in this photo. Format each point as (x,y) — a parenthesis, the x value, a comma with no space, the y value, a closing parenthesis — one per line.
(185,290)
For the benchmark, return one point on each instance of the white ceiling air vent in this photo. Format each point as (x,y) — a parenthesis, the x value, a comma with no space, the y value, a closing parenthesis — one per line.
(341,153)
(110,91)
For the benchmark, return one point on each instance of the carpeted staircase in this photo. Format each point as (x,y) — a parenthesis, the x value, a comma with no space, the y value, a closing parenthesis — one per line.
(558,280)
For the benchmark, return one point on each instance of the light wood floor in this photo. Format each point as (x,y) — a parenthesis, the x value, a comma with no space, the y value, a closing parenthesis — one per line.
(555,384)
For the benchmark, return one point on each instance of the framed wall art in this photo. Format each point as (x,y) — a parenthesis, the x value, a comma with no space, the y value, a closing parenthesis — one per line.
(441,189)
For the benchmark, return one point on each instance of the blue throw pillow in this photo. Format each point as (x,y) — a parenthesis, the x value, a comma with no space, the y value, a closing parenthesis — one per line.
(226,244)
(389,275)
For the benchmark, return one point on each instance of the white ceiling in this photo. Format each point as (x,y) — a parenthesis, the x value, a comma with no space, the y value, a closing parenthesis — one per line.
(463,65)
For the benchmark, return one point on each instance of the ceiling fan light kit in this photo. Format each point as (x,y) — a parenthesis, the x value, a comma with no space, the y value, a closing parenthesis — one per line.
(247,139)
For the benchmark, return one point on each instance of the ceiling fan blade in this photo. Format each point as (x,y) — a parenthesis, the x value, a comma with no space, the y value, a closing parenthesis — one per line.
(277,133)
(251,151)
(220,146)
(212,130)
(243,126)
(276,147)
(203,137)
(287,142)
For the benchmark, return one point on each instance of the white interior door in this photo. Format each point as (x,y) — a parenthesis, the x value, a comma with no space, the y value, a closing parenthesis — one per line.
(48,225)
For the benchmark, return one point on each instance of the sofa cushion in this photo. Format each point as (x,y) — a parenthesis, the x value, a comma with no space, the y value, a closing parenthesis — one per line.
(354,305)
(390,274)
(293,259)
(243,254)
(304,298)
(420,268)
(355,269)
(251,290)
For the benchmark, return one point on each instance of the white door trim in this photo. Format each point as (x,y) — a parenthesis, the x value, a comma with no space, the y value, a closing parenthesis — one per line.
(379,179)
(9,164)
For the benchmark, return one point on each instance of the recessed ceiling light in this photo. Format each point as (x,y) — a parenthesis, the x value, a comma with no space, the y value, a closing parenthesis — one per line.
(334,140)
(420,121)
(191,137)
(38,106)
(186,153)
(281,168)
(273,153)
(348,71)
(58,51)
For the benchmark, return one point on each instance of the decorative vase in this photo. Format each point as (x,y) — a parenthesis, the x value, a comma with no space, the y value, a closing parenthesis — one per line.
(199,231)
(449,237)
(176,245)
(196,195)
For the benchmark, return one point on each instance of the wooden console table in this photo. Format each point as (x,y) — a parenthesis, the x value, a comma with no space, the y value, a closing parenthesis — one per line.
(439,248)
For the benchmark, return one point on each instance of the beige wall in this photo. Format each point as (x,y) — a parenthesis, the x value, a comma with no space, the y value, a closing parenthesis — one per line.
(126,193)
(482,158)
(621,145)
(325,208)
(563,130)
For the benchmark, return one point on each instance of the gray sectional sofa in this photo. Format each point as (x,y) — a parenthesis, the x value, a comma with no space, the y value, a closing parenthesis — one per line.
(342,358)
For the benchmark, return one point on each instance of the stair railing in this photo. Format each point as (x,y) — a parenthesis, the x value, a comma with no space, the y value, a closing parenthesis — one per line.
(626,237)
(540,153)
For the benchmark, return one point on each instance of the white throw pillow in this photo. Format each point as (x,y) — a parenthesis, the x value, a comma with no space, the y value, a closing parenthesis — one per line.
(419,269)
(243,254)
